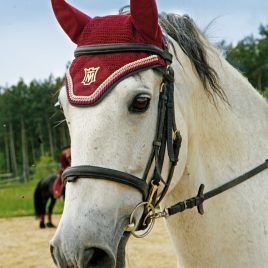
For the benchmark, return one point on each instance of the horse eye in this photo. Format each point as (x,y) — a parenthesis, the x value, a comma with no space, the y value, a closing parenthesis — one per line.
(140,103)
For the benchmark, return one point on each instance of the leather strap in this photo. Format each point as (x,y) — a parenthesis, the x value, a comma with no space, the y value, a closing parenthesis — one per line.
(237,180)
(122,47)
(73,173)
(198,200)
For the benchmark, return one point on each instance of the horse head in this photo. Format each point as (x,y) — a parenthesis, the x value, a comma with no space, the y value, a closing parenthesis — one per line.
(112,108)
(132,120)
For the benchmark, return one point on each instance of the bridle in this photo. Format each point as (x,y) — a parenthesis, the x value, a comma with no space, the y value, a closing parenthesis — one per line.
(167,138)
(167,135)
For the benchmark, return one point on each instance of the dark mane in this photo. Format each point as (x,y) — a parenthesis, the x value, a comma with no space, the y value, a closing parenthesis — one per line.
(184,31)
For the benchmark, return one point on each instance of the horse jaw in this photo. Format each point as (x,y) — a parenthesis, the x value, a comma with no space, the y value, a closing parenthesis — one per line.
(96,212)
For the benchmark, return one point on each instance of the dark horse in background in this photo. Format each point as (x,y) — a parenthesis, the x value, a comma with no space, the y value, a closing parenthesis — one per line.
(42,194)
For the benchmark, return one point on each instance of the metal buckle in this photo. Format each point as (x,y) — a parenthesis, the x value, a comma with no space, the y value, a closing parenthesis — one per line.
(177,131)
(153,190)
(162,87)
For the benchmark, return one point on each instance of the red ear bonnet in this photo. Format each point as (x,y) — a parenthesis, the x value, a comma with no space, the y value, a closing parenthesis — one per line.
(91,77)
(71,19)
(145,18)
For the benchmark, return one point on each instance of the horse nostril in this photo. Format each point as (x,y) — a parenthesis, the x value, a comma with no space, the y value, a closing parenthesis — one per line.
(95,257)
(90,257)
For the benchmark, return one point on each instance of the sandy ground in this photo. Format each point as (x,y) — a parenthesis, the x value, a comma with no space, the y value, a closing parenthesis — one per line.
(23,244)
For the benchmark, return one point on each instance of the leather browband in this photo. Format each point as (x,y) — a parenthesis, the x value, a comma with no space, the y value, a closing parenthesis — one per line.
(73,173)
(122,47)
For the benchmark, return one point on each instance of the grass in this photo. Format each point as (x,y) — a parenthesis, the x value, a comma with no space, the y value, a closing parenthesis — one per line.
(16,199)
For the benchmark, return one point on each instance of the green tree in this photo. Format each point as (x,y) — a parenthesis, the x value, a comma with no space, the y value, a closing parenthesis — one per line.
(28,122)
(250,56)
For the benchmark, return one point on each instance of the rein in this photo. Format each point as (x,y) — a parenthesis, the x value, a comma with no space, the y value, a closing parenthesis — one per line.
(198,200)
(167,138)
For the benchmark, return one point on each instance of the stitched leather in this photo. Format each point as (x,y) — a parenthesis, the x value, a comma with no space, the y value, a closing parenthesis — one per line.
(73,173)
(123,47)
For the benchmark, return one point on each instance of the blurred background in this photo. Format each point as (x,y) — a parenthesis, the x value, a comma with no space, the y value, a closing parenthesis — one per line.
(35,53)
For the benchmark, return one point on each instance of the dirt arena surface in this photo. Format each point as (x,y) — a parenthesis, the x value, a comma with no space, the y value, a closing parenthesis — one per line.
(23,244)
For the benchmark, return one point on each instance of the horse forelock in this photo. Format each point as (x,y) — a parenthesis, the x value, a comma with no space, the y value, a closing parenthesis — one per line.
(190,39)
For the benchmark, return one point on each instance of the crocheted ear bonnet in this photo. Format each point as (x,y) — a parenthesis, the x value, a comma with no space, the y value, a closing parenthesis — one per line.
(92,76)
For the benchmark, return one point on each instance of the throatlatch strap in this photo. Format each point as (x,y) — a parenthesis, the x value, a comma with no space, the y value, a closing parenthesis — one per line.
(170,118)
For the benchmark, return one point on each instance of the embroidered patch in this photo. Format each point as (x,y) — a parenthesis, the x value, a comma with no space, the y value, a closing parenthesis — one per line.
(90,76)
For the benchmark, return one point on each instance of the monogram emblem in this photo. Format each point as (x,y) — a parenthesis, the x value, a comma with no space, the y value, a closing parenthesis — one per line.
(90,75)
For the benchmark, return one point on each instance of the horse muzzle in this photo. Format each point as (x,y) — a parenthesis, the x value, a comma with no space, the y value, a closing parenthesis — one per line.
(88,257)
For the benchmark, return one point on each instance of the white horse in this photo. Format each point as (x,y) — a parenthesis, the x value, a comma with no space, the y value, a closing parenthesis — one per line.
(223,123)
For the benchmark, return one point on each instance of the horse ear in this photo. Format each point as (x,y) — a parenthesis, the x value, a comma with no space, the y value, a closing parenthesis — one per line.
(145,17)
(71,19)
